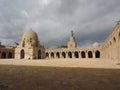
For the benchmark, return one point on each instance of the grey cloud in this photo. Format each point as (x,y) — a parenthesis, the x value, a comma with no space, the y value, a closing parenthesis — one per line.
(68,7)
(91,20)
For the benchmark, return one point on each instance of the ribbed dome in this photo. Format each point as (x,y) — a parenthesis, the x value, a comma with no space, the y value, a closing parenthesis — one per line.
(30,38)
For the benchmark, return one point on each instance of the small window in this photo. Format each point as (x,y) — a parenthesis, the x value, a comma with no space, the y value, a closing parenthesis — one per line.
(114,39)
(30,39)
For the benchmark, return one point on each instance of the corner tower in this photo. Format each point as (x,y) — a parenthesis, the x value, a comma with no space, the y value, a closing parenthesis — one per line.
(72,41)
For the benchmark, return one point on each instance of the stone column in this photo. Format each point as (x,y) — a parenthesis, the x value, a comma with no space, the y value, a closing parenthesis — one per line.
(86,54)
(73,55)
(80,55)
(66,54)
(94,54)
(54,56)
(61,55)
(48,55)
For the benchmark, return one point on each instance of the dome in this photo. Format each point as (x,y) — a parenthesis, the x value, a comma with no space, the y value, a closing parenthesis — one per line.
(30,38)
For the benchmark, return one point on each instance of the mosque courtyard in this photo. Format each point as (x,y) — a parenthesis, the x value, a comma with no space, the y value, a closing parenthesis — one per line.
(59,74)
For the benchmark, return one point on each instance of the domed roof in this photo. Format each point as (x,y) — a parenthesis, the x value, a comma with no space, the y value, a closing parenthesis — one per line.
(30,38)
(30,33)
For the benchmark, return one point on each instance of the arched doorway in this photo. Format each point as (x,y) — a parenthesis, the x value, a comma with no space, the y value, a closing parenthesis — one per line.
(47,55)
(76,54)
(70,54)
(63,55)
(52,55)
(22,54)
(10,55)
(97,54)
(58,55)
(39,54)
(83,54)
(90,54)
(3,55)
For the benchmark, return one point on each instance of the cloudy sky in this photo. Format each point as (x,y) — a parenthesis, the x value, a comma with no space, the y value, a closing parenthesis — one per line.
(91,20)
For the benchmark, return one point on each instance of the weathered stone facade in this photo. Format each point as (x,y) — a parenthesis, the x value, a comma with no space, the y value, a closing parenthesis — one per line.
(111,47)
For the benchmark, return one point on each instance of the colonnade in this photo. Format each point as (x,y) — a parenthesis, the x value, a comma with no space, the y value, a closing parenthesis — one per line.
(73,54)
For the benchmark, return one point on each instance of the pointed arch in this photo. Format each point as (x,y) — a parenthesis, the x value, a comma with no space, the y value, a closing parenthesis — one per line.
(70,54)
(22,54)
(76,54)
(10,55)
(58,55)
(52,55)
(63,55)
(114,39)
(90,54)
(47,55)
(97,54)
(83,54)
(3,55)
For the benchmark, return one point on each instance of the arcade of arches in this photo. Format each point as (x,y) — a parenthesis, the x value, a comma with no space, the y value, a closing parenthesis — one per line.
(55,54)
(6,53)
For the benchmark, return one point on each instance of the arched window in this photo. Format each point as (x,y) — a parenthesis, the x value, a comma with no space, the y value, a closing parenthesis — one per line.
(52,55)
(70,54)
(22,54)
(76,54)
(3,55)
(63,55)
(10,55)
(90,54)
(97,54)
(83,54)
(114,39)
(39,54)
(58,55)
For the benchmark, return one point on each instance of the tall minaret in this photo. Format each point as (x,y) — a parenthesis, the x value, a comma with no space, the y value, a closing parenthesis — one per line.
(72,42)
